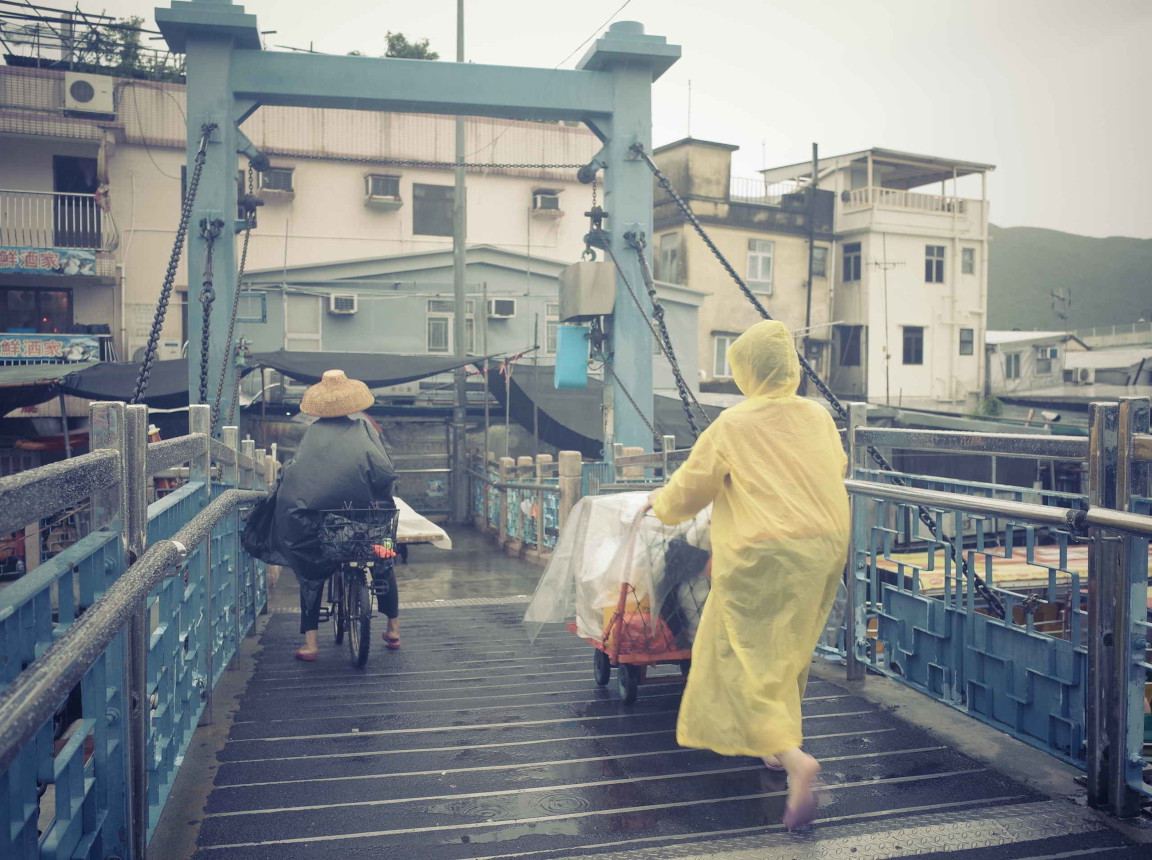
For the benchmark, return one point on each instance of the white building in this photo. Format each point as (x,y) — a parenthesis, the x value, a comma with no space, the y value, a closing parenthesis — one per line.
(1020,361)
(330,195)
(910,274)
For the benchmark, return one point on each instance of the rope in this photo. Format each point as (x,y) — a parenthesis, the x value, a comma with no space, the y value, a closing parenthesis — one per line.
(173,264)
(982,588)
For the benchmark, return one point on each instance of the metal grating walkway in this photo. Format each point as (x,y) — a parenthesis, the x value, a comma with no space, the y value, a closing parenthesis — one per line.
(472,743)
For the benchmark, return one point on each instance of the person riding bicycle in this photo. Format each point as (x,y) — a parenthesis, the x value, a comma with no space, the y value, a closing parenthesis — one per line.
(341,462)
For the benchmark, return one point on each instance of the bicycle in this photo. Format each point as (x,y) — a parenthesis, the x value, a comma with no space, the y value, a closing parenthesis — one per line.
(357,539)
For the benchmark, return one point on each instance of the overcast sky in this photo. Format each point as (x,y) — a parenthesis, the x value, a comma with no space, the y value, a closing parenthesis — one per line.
(1053,92)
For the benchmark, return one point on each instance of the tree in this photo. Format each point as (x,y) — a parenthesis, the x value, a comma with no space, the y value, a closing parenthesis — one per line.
(399,46)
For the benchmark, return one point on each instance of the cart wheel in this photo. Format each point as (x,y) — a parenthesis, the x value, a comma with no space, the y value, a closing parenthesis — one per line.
(627,683)
(685,667)
(601,667)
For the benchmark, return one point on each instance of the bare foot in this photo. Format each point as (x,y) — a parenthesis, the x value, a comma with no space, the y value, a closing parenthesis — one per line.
(802,772)
(773,763)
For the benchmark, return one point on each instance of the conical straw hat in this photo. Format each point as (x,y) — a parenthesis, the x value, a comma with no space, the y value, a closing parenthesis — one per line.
(335,394)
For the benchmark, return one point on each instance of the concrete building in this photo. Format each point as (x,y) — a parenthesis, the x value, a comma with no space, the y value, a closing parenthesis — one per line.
(764,230)
(1019,361)
(908,274)
(90,195)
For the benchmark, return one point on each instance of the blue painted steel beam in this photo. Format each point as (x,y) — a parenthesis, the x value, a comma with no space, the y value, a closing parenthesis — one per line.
(418,86)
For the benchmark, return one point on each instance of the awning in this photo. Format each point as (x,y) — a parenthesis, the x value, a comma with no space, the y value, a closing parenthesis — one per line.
(29,384)
(116,380)
(572,420)
(376,370)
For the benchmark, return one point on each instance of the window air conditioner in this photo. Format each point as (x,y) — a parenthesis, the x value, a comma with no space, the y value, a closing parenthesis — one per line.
(382,190)
(546,203)
(501,309)
(88,93)
(342,303)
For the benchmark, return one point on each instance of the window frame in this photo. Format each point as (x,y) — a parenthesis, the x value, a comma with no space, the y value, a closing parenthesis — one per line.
(1012,365)
(851,334)
(719,356)
(967,261)
(853,261)
(916,342)
(551,327)
(971,341)
(759,255)
(38,294)
(370,180)
(668,258)
(934,263)
(820,261)
(445,309)
(420,204)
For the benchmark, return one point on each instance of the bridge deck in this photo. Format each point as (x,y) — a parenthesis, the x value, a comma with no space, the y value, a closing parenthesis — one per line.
(472,742)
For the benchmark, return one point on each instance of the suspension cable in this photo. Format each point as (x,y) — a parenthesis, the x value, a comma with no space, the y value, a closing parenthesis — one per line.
(173,264)
(926,518)
(611,371)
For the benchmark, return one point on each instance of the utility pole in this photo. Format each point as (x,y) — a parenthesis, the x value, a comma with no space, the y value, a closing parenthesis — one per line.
(884,265)
(459,212)
(811,248)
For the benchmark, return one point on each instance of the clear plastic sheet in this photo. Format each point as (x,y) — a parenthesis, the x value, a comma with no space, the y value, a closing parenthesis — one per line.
(626,575)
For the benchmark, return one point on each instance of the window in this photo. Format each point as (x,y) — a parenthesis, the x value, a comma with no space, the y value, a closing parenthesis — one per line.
(546,200)
(848,337)
(1012,365)
(760,265)
(382,185)
(967,341)
(432,209)
(1044,356)
(720,368)
(934,264)
(819,262)
(303,329)
(668,258)
(968,261)
(913,344)
(36,311)
(442,322)
(276,179)
(852,261)
(551,321)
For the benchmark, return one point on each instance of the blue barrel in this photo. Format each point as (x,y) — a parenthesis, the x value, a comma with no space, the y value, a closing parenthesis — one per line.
(572,345)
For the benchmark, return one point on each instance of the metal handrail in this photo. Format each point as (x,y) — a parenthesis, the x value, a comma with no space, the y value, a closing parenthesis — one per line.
(169,453)
(32,698)
(1142,448)
(221,453)
(1001,444)
(27,497)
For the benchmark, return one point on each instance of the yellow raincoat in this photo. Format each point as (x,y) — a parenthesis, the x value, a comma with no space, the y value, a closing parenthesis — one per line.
(773,467)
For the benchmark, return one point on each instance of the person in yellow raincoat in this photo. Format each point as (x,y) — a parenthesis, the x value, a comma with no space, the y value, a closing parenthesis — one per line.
(773,468)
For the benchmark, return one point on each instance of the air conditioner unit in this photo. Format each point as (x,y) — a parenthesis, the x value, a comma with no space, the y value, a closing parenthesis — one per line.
(501,309)
(1086,376)
(342,303)
(382,191)
(546,203)
(88,93)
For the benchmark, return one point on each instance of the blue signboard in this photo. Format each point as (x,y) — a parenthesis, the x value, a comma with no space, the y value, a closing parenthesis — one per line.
(48,261)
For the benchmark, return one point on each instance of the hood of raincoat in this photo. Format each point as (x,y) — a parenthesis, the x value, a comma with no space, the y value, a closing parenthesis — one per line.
(764,362)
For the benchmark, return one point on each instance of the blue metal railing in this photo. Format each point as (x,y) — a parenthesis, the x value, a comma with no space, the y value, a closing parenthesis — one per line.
(78,773)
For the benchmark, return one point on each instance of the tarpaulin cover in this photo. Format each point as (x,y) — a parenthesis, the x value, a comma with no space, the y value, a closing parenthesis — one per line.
(571,420)
(606,544)
(28,384)
(373,369)
(115,380)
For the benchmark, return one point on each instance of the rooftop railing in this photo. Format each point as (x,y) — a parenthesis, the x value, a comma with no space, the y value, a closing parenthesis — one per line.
(53,220)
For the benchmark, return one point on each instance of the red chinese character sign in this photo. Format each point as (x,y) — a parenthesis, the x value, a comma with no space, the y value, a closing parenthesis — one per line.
(18,348)
(48,261)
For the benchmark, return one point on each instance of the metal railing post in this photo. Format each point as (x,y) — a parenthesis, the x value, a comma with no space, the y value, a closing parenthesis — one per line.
(106,431)
(230,436)
(507,473)
(570,466)
(134,482)
(1103,558)
(667,446)
(543,461)
(1126,718)
(855,626)
(249,480)
(200,469)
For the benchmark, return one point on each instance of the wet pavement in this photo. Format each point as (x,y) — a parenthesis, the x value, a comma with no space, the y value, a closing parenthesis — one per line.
(472,742)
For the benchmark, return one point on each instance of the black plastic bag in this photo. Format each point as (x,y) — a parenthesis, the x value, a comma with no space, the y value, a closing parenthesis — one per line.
(256,537)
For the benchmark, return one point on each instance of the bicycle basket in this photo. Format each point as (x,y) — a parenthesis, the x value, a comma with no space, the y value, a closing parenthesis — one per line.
(350,533)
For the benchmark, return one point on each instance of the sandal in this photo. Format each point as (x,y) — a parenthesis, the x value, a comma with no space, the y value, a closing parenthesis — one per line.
(306,656)
(391,642)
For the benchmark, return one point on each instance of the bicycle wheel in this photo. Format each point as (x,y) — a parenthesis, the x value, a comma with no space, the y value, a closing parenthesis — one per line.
(358,612)
(336,600)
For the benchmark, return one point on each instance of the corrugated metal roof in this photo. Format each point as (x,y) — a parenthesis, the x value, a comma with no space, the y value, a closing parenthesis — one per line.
(1103,359)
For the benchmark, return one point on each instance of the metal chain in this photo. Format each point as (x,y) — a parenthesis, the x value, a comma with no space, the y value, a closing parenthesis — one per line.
(611,371)
(173,264)
(660,334)
(982,589)
(249,217)
(476,165)
(208,232)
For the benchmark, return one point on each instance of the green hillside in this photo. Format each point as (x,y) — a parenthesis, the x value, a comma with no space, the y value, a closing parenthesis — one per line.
(1110,279)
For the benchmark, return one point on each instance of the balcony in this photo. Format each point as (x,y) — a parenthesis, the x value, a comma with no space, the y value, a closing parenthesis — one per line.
(756,190)
(896,198)
(51,221)
(897,208)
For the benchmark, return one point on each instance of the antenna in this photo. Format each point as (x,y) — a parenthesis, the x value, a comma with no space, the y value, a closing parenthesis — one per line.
(1062,302)
(689,107)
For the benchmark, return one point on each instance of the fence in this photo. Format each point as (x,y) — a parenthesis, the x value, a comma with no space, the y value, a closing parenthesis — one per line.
(48,219)
(110,670)
(1065,668)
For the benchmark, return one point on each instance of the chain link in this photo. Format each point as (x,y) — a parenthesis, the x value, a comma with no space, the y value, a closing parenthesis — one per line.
(982,589)
(173,264)
(249,217)
(208,232)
